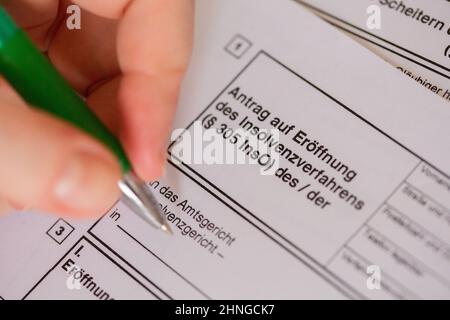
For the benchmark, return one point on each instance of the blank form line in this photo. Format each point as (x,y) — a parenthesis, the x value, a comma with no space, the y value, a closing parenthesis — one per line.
(163,262)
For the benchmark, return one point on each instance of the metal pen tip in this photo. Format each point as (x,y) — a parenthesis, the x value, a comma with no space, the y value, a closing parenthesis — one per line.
(165,227)
(139,198)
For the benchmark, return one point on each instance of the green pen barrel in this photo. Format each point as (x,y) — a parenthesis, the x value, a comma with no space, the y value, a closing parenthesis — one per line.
(42,87)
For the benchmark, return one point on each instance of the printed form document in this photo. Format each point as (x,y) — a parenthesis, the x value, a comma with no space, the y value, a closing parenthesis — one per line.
(358,206)
(413,35)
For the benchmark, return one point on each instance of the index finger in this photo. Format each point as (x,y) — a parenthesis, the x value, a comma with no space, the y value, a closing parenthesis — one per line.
(154,44)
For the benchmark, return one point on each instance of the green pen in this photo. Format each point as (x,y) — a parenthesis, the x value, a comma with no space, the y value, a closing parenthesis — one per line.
(39,84)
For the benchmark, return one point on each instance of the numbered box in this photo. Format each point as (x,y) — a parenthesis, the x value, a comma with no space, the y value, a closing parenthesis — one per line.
(60,231)
(238,46)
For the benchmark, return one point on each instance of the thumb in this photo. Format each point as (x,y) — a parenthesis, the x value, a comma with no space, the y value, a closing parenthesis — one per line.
(50,166)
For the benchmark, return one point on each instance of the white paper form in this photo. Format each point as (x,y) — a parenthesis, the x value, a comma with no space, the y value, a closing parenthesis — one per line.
(372,223)
(413,35)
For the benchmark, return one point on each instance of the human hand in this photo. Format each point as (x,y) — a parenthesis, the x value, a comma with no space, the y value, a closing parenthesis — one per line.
(128,60)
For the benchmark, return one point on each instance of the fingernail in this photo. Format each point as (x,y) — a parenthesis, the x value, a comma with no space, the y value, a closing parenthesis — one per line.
(151,165)
(88,182)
